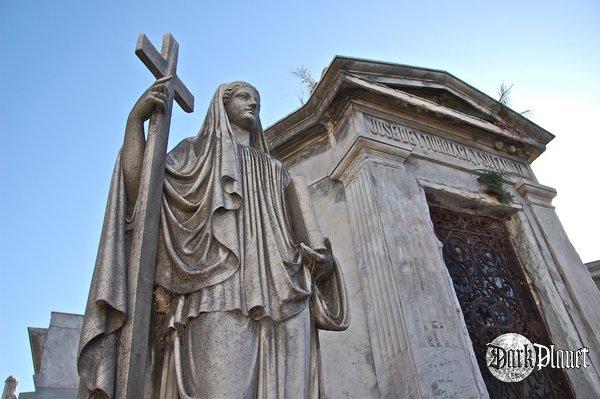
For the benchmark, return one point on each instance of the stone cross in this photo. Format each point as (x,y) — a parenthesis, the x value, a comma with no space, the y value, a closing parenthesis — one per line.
(159,64)
(135,334)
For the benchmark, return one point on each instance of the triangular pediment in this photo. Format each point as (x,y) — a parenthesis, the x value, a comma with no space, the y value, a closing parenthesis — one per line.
(446,99)
(426,92)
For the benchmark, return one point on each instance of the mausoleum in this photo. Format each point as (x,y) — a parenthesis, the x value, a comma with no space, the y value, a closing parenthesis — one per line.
(435,266)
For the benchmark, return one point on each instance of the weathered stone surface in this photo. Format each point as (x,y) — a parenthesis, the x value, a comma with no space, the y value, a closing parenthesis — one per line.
(10,388)
(395,147)
(238,289)
(594,269)
(54,353)
(554,302)
(347,355)
(413,322)
(376,145)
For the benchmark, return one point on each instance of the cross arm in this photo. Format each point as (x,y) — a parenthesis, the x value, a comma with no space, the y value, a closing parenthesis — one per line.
(157,64)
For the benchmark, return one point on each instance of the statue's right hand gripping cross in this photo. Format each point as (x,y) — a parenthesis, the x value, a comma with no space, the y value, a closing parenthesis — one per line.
(165,64)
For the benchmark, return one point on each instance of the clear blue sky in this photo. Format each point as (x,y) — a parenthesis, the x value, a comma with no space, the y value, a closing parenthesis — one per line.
(69,78)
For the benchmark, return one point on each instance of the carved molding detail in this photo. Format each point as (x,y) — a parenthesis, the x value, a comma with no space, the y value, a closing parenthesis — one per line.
(427,144)
(363,150)
(383,303)
(384,313)
(408,321)
(535,193)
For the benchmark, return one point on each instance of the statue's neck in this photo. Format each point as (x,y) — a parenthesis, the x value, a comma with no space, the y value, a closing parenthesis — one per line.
(241,135)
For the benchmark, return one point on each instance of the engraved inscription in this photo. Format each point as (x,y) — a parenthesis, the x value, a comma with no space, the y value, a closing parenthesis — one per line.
(444,146)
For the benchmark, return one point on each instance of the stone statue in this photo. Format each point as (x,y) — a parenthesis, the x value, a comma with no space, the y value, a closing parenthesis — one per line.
(10,388)
(243,278)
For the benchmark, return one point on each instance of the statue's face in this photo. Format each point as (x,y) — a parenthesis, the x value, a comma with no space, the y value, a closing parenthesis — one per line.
(243,107)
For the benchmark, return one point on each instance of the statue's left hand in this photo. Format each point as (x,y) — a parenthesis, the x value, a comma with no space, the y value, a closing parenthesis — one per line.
(323,268)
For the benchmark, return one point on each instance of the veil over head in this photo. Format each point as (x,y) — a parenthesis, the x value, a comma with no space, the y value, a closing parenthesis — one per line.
(198,244)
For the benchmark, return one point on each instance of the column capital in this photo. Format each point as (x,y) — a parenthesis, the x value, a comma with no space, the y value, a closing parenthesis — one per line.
(535,193)
(365,150)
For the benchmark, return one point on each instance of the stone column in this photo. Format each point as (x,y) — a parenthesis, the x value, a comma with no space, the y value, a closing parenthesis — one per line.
(419,340)
(582,297)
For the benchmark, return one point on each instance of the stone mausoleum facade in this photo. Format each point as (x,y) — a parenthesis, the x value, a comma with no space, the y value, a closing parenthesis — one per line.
(436,264)
(436,268)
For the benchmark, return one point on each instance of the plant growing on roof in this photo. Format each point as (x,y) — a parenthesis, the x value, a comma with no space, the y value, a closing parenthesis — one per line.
(495,184)
(307,82)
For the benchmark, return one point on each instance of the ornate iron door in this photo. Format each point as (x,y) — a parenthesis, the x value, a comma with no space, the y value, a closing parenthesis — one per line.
(494,296)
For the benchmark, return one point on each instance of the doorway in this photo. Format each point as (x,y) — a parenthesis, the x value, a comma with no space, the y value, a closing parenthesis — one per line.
(494,296)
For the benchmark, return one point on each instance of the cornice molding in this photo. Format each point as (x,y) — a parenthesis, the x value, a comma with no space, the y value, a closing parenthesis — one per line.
(535,193)
(365,150)
(370,76)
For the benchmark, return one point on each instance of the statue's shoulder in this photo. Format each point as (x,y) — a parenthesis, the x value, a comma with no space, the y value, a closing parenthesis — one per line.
(274,160)
(280,166)
(181,151)
(267,155)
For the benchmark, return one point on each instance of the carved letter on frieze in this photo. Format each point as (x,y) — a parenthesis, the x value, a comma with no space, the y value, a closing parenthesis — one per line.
(424,142)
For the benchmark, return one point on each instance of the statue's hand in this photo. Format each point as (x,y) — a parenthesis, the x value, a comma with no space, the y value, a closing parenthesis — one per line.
(153,99)
(323,267)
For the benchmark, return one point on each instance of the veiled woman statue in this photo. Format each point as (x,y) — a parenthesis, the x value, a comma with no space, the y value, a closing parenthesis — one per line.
(239,297)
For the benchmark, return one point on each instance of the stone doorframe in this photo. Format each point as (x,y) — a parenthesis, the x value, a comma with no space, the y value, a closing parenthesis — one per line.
(564,325)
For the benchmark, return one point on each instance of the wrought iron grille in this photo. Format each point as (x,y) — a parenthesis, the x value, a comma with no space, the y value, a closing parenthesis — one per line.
(495,297)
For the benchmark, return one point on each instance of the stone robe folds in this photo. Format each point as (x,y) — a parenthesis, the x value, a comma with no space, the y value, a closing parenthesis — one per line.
(244,313)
